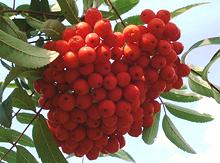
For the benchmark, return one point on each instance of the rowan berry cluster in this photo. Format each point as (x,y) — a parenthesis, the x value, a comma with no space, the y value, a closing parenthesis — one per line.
(104,84)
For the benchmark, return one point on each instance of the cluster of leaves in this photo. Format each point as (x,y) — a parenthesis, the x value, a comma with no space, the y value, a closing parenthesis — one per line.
(39,22)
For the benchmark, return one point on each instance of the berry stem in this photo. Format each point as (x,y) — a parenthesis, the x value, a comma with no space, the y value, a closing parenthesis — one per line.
(164,107)
(20,136)
(116,12)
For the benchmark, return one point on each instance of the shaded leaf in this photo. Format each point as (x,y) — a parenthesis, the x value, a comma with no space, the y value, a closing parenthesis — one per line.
(11,85)
(188,114)
(24,156)
(25,117)
(8,26)
(11,156)
(19,72)
(33,22)
(69,10)
(23,7)
(10,136)
(6,112)
(45,144)
(20,99)
(198,85)
(181,96)
(149,134)
(5,7)
(216,95)
(207,67)
(87,4)
(208,41)
(174,136)
(184,9)
(40,6)
(5,65)
(21,53)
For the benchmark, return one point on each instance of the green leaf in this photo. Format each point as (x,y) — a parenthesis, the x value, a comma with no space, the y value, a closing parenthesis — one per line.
(40,6)
(21,53)
(149,134)
(33,22)
(19,72)
(10,136)
(198,85)
(5,7)
(53,28)
(216,95)
(122,154)
(45,144)
(69,10)
(8,26)
(184,9)
(24,156)
(122,6)
(25,118)
(87,4)
(6,112)
(188,114)
(130,20)
(5,65)
(23,7)
(10,157)
(20,99)
(174,136)
(11,85)
(181,96)
(207,67)
(208,41)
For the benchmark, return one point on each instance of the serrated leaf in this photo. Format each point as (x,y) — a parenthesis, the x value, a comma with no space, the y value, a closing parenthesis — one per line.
(11,156)
(6,112)
(25,118)
(184,9)
(130,20)
(20,99)
(208,41)
(207,67)
(18,72)
(122,154)
(10,136)
(23,54)
(188,114)
(8,26)
(45,144)
(181,96)
(174,136)
(69,10)
(198,85)
(149,134)
(122,6)
(24,156)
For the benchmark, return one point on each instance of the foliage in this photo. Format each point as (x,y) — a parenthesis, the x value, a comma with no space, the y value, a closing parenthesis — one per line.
(24,58)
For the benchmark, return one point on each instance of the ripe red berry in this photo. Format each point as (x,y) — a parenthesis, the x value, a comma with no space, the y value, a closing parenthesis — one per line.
(106,108)
(123,79)
(94,133)
(103,68)
(99,94)
(156,26)
(164,15)
(49,45)
(92,15)
(81,86)
(167,73)
(131,92)
(115,94)
(61,134)
(136,72)
(110,121)
(86,69)
(83,29)
(183,70)
(61,116)
(78,134)
(123,108)
(86,55)
(132,33)
(131,52)
(103,54)
(93,113)
(178,47)
(70,75)
(84,101)
(148,121)
(119,66)
(71,60)
(117,53)
(66,101)
(61,46)
(68,33)
(148,42)
(95,80)
(92,40)
(158,62)
(110,82)
(76,42)
(113,145)
(171,32)
(151,75)
(103,27)
(164,47)
(147,15)
(78,116)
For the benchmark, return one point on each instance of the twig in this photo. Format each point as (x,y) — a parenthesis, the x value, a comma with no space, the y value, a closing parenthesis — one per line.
(31,12)
(164,107)
(116,12)
(20,136)
(13,5)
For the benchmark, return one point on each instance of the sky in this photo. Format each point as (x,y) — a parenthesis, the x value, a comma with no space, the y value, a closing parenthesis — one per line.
(198,23)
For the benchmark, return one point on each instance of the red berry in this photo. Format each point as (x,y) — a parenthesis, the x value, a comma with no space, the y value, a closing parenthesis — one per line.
(83,29)
(76,42)
(103,54)
(61,46)
(93,15)
(95,80)
(94,133)
(70,60)
(115,94)
(66,102)
(103,68)
(70,75)
(151,75)
(103,27)
(106,108)
(158,62)
(99,94)
(78,116)
(148,42)
(131,92)
(156,26)
(81,86)
(61,134)
(87,69)
(167,73)
(123,79)
(92,40)
(68,33)
(113,145)
(171,32)
(164,47)
(147,15)
(123,108)
(132,33)
(78,134)
(136,72)
(86,55)
(84,101)
(178,47)
(183,70)
(164,15)
(109,82)
(131,52)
